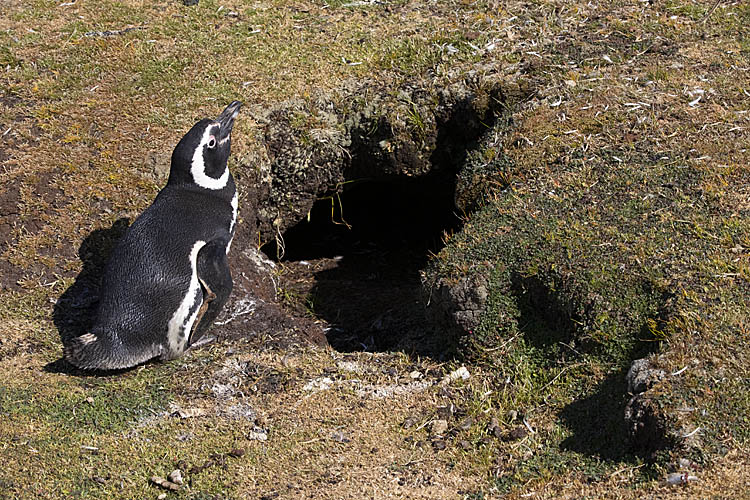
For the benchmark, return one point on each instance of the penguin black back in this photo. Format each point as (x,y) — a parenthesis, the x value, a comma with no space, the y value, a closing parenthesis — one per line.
(168,277)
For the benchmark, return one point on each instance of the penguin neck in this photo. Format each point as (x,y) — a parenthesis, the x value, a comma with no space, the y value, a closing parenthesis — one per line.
(180,179)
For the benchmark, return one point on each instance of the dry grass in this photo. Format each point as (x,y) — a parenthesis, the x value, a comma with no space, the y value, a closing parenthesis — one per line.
(84,118)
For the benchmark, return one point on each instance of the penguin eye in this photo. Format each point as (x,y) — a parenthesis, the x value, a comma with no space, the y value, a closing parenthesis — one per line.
(211,142)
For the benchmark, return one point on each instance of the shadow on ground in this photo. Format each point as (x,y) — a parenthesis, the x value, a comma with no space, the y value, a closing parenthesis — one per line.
(597,421)
(355,263)
(372,302)
(74,311)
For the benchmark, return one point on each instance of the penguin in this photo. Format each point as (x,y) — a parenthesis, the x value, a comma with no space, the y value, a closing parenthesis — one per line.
(168,277)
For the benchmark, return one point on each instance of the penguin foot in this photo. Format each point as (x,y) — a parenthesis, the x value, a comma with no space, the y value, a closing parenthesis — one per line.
(208,297)
(203,341)
(208,294)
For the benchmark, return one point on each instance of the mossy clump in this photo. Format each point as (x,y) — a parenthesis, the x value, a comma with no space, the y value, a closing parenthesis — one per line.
(317,146)
(586,264)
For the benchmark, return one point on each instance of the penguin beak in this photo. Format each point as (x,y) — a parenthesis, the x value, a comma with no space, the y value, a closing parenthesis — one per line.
(226,119)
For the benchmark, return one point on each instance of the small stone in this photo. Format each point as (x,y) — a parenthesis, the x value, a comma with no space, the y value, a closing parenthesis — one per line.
(164,483)
(445,412)
(415,375)
(161,496)
(439,427)
(410,422)
(512,415)
(439,444)
(519,432)
(190,2)
(677,478)
(459,374)
(176,476)
(466,424)
(570,83)
(465,445)
(494,428)
(237,452)
(258,434)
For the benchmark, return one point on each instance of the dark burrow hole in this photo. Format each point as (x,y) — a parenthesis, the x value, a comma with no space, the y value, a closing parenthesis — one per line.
(355,261)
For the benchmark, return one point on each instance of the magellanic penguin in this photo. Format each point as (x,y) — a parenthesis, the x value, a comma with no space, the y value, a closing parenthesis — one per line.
(168,277)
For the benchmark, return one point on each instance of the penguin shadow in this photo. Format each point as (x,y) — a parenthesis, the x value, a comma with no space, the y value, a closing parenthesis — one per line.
(75,310)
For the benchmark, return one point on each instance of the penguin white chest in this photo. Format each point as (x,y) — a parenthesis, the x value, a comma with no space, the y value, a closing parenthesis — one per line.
(182,320)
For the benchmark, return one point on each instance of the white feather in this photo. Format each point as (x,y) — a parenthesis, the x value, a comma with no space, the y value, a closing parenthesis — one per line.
(182,321)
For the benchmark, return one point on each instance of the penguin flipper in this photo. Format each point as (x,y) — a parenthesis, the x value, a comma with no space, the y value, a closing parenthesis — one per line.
(216,283)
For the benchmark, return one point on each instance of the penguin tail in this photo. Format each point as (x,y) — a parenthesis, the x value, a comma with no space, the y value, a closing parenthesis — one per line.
(98,352)
(90,352)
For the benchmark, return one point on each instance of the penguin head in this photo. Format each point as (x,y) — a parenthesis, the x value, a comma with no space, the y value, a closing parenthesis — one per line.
(201,156)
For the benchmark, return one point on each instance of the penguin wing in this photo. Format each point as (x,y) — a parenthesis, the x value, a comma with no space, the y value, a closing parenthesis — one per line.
(216,283)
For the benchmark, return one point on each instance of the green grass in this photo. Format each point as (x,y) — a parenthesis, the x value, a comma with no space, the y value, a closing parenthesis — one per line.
(97,408)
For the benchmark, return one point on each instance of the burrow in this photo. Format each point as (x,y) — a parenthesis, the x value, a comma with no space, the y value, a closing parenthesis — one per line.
(354,193)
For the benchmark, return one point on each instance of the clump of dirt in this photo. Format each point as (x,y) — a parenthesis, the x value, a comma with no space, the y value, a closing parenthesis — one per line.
(648,426)
(253,310)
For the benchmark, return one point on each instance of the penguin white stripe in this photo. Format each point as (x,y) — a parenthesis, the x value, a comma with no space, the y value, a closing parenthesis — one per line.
(235,203)
(198,166)
(180,322)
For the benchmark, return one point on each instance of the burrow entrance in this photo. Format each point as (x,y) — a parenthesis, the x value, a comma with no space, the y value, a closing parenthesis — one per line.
(385,181)
(355,261)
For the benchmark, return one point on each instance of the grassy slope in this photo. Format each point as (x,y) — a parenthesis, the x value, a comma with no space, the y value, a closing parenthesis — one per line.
(626,212)
(85,113)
